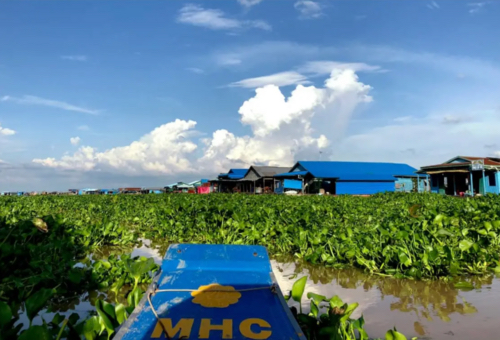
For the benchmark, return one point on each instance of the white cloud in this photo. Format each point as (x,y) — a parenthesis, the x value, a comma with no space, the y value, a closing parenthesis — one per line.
(476,6)
(308,9)
(283,127)
(195,70)
(6,131)
(163,150)
(466,66)
(265,52)
(74,57)
(249,3)
(278,79)
(83,128)
(33,100)
(422,135)
(75,140)
(216,19)
(433,5)
(282,131)
(323,67)
(298,76)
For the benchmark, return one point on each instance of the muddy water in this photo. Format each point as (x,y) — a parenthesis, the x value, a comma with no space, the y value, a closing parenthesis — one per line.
(427,309)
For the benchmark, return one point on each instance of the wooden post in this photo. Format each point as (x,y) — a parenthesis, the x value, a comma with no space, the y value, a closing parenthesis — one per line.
(454,186)
(471,184)
(484,184)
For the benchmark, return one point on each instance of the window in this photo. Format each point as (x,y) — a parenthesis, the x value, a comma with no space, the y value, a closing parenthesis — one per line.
(492,179)
(434,181)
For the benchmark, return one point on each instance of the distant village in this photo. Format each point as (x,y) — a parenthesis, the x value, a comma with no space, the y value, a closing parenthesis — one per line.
(458,176)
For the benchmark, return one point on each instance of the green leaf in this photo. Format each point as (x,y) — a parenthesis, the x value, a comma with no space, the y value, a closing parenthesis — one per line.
(37,301)
(139,268)
(349,310)
(298,289)
(317,298)
(393,334)
(463,285)
(75,276)
(104,318)
(488,226)
(121,314)
(5,314)
(133,299)
(36,332)
(464,245)
(73,318)
(444,232)
(403,258)
(91,328)
(57,319)
(314,309)
(336,302)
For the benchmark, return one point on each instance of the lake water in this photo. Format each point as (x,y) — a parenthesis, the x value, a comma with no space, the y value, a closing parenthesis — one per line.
(427,309)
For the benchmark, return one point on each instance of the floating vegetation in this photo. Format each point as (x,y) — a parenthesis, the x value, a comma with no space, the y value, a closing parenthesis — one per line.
(47,243)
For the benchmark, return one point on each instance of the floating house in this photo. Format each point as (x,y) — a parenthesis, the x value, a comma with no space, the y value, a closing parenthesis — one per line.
(260,179)
(89,192)
(198,183)
(355,178)
(464,175)
(230,181)
(109,191)
(155,190)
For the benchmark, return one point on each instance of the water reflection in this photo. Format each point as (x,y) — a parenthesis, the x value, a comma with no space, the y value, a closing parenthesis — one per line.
(428,309)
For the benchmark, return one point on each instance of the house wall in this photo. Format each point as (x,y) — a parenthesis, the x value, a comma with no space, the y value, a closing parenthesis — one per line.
(403,185)
(493,189)
(363,187)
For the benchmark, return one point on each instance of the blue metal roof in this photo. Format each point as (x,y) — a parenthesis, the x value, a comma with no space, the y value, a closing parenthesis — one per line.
(241,172)
(290,174)
(356,171)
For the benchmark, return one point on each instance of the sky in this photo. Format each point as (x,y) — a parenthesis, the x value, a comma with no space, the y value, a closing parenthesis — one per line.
(146,93)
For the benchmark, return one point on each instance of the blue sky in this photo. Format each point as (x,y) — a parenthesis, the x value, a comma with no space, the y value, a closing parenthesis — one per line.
(114,93)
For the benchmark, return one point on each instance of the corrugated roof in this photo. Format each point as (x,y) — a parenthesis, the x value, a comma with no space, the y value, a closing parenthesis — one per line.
(290,174)
(487,161)
(366,177)
(269,171)
(357,170)
(241,172)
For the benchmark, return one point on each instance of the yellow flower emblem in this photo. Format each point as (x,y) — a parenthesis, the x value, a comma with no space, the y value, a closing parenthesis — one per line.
(216,296)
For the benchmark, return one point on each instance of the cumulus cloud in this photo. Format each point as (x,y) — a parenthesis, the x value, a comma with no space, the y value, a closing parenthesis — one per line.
(33,100)
(282,131)
(75,140)
(282,127)
(309,9)
(163,150)
(6,132)
(215,19)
